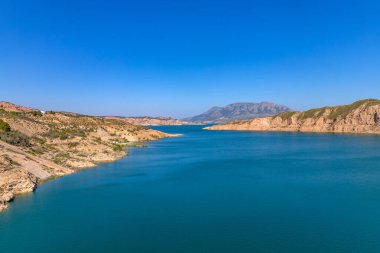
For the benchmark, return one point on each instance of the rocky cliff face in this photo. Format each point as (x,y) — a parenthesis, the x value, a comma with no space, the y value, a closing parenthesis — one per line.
(20,172)
(239,111)
(360,117)
(35,145)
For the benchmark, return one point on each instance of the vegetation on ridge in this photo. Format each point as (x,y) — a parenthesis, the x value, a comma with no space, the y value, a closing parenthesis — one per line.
(4,126)
(12,137)
(15,138)
(343,110)
(284,115)
(87,139)
(331,112)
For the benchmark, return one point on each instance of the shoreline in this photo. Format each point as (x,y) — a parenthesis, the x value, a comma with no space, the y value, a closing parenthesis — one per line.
(293,131)
(361,117)
(8,197)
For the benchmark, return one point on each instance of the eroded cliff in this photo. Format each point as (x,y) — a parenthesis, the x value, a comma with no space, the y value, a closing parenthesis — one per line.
(360,117)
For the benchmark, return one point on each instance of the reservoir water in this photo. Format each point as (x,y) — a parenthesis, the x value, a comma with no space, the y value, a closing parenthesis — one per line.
(212,192)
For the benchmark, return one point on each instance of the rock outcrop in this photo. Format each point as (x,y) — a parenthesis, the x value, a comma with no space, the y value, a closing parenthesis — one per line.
(360,117)
(21,171)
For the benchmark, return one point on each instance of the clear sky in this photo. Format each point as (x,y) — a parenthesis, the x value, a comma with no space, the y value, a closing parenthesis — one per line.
(178,58)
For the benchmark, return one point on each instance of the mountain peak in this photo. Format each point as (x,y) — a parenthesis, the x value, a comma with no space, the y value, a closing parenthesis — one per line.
(239,111)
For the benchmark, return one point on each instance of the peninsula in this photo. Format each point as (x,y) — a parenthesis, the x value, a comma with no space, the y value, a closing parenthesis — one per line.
(360,117)
(39,145)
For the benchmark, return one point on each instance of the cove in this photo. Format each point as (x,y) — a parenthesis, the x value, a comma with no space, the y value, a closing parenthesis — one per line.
(211,191)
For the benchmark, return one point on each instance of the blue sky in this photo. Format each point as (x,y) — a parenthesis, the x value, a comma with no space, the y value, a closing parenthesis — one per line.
(178,58)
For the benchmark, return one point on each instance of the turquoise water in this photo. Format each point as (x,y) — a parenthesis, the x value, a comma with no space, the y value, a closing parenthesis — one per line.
(211,192)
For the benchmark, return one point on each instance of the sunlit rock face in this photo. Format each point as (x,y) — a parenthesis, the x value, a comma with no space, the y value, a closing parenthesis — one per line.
(359,117)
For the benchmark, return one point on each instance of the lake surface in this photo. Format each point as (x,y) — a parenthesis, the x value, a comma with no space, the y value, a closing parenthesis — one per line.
(211,191)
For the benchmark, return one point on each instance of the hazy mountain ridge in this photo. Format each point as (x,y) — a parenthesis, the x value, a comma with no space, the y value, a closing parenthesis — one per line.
(239,111)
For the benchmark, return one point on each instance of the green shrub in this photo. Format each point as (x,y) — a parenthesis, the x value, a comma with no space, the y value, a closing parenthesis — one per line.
(15,138)
(36,151)
(73,144)
(284,115)
(53,134)
(36,113)
(4,126)
(65,134)
(62,158)
(39,140)
(15,114)
(117,147)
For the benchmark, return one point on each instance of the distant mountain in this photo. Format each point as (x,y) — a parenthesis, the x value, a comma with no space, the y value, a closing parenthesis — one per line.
(152,121)
(239,111)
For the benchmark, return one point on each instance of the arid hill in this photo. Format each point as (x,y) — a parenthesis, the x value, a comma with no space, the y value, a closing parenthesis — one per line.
(360,117)
(14,108)
(36,145)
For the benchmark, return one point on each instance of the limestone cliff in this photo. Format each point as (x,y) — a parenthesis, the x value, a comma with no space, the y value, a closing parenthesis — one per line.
(360,117)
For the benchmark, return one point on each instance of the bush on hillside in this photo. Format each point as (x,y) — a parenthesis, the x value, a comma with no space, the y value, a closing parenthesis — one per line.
(64,134)
(117,148)
(36,113)
(4,126)
(15,138)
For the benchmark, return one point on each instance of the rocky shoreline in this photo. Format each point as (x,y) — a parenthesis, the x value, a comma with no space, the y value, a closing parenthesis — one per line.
(360,117)
(22,180)
(36,146)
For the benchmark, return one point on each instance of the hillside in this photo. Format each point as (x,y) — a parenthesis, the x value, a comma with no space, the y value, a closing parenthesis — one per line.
(239,111)
(13,108)
(36,145)
(360,117)
(152,121)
